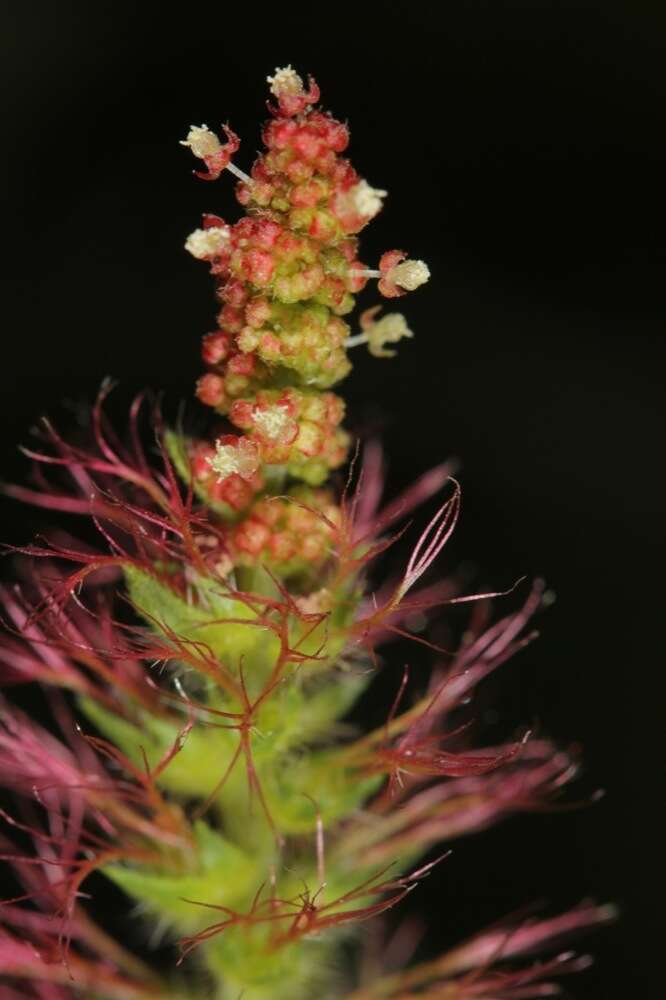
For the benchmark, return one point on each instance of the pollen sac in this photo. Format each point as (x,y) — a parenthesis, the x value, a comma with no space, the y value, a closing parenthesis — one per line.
(387,330)
(399,275)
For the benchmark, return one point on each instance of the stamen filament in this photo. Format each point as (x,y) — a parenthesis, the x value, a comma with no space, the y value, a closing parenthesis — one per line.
(240,174)
(366,272)
(360,338)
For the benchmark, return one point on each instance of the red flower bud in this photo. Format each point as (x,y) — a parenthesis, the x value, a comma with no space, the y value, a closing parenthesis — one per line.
(215,347)
(210,390)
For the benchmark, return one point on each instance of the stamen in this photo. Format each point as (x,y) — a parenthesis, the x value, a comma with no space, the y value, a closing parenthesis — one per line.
(272,421)
(411,274)
(387,330)
(240,174)
(204,243)
(362,199)
(205,144)
(285,81)
(360,338)
(202,141)
(366,272)
(240,459)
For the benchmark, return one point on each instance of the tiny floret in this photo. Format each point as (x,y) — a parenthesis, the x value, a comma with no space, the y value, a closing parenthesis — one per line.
(206,243)
(387,330)
(272,421)
(410,274)
(292,97)
(285,81)
(217,156)
(364,199)
(398,275)
(202,141)
(234,456)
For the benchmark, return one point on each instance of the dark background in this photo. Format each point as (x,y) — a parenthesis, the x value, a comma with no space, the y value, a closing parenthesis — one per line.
(522,146)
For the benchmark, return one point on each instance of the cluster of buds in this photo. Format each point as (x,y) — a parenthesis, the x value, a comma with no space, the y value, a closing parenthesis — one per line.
(296,428)
(285,276)
(290,535)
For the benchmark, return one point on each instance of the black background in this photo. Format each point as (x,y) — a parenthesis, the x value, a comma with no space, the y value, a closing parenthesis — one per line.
(522,146)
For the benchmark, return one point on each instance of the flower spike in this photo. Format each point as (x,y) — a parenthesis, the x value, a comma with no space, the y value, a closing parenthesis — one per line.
(196,664)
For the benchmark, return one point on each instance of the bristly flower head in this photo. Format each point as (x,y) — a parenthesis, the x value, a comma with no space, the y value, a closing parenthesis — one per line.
(197,754)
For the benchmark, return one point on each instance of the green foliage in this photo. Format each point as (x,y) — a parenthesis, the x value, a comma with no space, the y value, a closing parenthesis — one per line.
(226,627)
(217,872)
(302,776)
